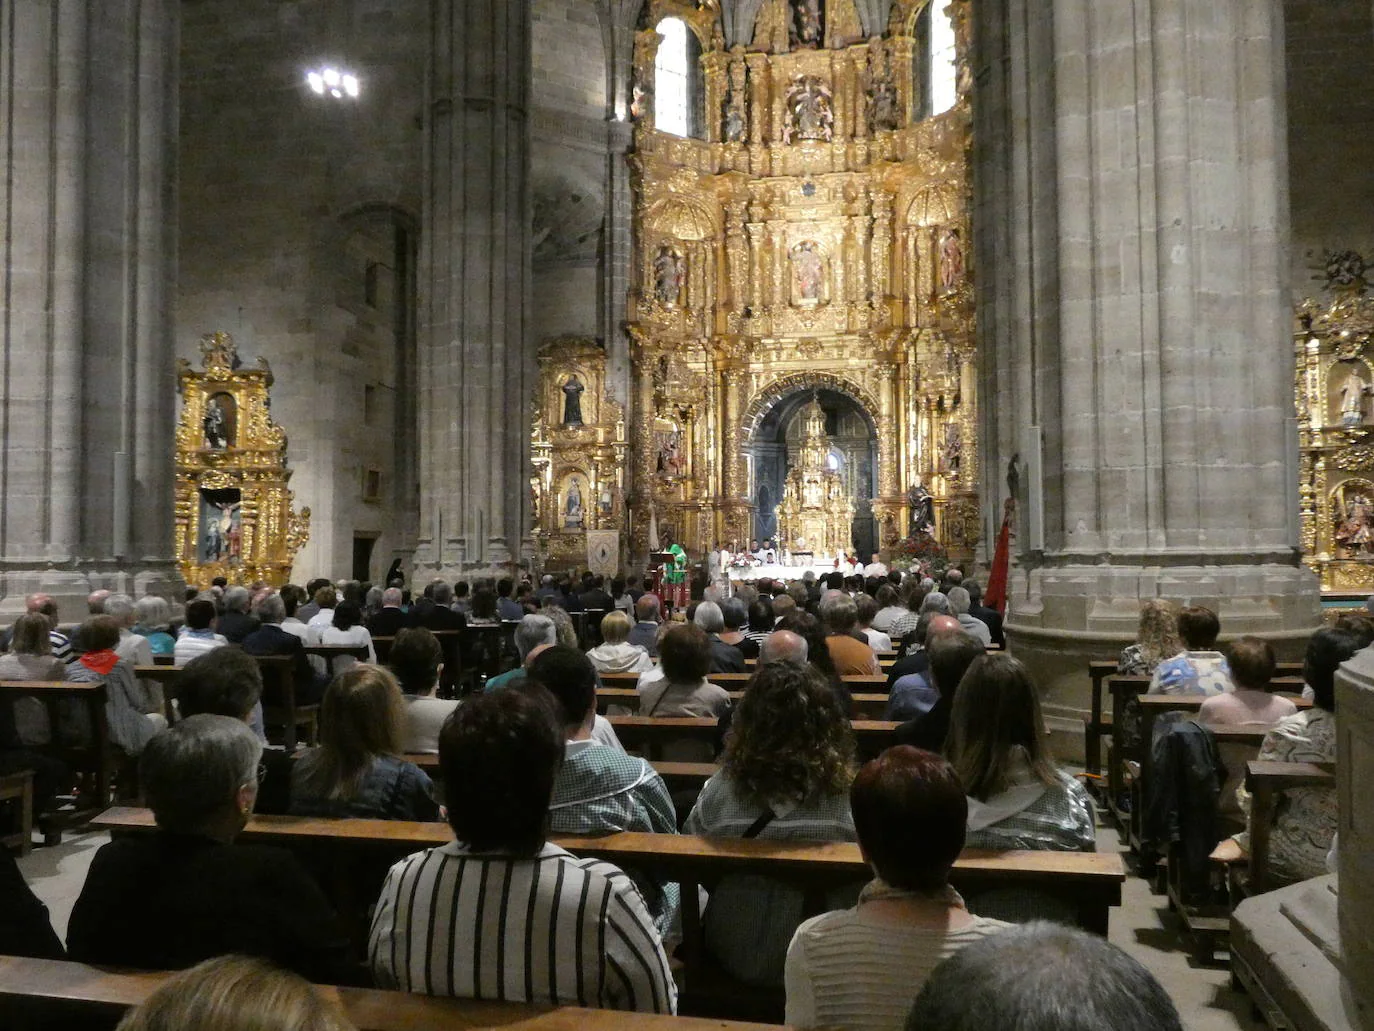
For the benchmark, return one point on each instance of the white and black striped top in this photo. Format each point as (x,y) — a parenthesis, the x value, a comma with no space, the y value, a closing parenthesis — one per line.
(552,928)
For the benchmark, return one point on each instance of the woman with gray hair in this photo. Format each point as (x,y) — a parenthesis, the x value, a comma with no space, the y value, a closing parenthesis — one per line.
(154,617)
(185,893)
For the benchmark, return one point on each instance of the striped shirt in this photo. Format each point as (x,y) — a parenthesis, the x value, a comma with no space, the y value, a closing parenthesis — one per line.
(548,929)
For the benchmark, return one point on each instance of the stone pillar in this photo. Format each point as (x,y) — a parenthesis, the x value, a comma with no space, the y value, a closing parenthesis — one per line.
(1131,222)
(87,146)
(476,363)
(1354,754)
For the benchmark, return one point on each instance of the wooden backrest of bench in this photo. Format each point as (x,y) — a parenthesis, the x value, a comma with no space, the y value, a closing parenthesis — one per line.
(330,651)
(60,988)
(673,855)
(52,687)
(1193,703)
(865,705)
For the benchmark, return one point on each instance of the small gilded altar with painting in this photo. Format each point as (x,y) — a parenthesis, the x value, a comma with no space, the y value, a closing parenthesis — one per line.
(234,514)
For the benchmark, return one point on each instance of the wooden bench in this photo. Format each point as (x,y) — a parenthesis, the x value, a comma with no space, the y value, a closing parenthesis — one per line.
(650,733)
(865,706)
(45,993)
(17,789)
(93,761)
(1266,781)
(332,653)
(350,857)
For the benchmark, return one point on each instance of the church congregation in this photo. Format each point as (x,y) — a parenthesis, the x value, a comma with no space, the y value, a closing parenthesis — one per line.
(516,762)
(660,515)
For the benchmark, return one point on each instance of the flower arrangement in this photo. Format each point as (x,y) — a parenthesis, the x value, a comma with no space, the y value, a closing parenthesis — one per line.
(926,555)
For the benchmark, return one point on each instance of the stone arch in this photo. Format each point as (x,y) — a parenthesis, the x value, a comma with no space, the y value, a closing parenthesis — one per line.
(778,391)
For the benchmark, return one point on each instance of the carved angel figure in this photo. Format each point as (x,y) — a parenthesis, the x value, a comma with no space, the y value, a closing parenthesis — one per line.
(951,260)
(806,23)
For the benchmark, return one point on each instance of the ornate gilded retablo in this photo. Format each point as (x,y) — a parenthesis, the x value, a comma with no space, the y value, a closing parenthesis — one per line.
(234,515)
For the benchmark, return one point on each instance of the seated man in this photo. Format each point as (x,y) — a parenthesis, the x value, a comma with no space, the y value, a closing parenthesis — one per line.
(444,920)
(952,652)
(1199,668)
(390,618)
(600,789)
(912,694)
(228,682)
(848,648)
(725,658)
(1042,977)
(236,623)
(270,639)
(534,631)
(198,634)
(187,892)
(645,631)
(959,603)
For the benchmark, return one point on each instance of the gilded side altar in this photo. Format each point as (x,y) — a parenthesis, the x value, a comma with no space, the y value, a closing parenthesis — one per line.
(1334,345)
(234,515)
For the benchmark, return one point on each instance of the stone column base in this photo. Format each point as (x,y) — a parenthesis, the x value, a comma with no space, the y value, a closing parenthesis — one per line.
(1060,618)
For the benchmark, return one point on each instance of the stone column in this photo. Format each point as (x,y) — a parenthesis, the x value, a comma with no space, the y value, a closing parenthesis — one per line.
(1131,224)
(476,365)
(87,146)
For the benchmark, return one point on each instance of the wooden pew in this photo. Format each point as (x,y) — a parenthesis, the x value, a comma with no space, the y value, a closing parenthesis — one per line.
(45,993)
(350,857)
(866,706)
(1266,781)
(93,762)
(650,733)
(331,653)
(17,788)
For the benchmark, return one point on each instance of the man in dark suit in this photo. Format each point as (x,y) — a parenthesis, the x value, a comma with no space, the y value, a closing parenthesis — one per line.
(438,614)
(725,658)
(594,596)
(270,639)
(645,631)
(978,610)
(951,654)
(391,619)
(236,623)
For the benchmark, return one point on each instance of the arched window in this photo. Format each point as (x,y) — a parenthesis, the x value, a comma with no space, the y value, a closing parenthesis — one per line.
(941,86)
(673,78)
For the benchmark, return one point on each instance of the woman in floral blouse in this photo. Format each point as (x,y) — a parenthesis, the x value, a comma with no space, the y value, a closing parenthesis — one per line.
(1156,640)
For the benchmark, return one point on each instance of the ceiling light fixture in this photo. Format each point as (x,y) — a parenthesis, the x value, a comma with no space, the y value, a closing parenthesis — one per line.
(332,81)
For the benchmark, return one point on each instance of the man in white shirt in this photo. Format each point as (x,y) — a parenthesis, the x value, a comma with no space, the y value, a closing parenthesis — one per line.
(198,635)
(875,568)
(326,598)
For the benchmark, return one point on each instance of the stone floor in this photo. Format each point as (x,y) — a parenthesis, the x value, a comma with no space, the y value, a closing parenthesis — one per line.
(1143,926)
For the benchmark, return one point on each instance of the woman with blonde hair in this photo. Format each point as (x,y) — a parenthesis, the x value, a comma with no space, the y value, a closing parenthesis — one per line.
(236,993)
(785,777)
(1017,797)
(615,654)
(1156,639)
(359,770)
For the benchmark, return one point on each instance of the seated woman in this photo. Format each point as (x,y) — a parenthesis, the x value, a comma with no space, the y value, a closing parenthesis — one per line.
(861,967)
(154,617)
(1199,668)
(615,654)
(30,658)
(482,611)
(1156,639)
(1018,798)
(347,631)
(185,893)
(678,687)
(237,993)
(130,710)
(1252,668)
(785,776)
(417,660)
(1305,819)
(357,770)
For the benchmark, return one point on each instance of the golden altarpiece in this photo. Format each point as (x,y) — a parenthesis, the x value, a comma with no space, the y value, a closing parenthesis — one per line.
(578,451)
(234,515)
(1334,342)
(814,236)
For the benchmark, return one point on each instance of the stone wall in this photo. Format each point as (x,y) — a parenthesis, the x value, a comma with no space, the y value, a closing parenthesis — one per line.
(286,200)
(1330,50)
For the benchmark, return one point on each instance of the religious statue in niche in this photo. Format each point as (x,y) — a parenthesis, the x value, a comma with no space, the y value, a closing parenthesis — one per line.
(606,503)
(806,26)
(572,506)
(952,452)
(572,401)
(1354,519)
(221,525)
(1354,390)
(671,463)
(670,273)
(808,271)
(732,121)
(884,106)
(221,415)
(951,260)
(922,505)
(809,113)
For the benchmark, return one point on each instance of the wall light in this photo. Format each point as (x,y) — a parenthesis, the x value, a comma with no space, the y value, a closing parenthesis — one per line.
(336,83)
